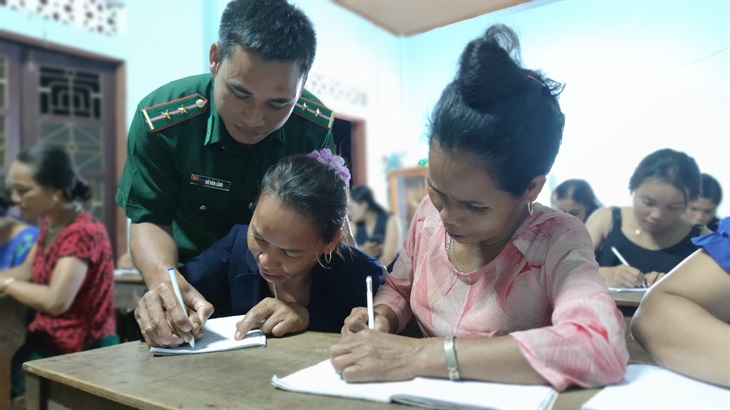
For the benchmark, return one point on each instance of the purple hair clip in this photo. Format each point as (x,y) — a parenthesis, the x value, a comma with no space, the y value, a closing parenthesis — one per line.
(334,162)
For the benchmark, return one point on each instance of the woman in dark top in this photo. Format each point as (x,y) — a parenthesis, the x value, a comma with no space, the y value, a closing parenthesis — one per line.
(376,230)
(576,197)
(289,270)
(702,211)
(652,236)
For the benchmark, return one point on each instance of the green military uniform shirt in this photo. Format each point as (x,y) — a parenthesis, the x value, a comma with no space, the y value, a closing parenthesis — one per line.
(184,169)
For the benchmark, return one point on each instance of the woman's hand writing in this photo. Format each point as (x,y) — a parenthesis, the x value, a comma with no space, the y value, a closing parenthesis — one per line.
(371,355)
(653,277)
(622,276)
(275,317)
(358,321)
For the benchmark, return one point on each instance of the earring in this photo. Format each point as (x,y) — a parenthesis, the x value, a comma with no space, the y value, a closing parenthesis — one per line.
(328,257)
(320,263)
(530,208)
(55,198)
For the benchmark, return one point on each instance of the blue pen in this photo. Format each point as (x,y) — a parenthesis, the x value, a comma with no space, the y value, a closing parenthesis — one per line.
(176,288)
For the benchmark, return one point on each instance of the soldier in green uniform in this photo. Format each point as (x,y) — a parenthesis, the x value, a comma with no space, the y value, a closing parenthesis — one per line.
(198,148)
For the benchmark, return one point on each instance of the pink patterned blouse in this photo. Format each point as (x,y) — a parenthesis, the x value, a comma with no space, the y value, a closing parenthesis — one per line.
(543,289)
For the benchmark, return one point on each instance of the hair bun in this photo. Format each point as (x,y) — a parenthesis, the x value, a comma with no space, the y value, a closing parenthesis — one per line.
(81,190)
(490,67)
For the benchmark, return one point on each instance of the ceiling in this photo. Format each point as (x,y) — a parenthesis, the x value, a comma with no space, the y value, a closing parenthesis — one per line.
(407,17)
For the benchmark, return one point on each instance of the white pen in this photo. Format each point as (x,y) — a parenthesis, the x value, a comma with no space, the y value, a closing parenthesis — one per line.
(371,314)
(622,259)
(619,256)
(176,288)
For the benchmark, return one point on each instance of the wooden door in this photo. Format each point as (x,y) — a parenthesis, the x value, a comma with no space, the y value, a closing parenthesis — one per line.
(62,99)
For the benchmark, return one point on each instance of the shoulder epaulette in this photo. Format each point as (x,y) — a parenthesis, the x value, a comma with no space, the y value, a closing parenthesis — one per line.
(314,112)
(160,116)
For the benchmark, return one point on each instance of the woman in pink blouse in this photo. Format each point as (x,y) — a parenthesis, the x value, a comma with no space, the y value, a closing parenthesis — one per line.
(503,289)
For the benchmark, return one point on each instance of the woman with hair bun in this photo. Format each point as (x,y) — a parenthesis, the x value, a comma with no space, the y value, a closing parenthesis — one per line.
(68,276)
(504,289)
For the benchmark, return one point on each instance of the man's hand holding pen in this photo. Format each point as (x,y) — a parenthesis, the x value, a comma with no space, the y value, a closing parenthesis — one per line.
(164,322)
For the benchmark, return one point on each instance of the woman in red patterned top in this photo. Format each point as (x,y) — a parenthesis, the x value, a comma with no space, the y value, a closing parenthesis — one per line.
(68,277)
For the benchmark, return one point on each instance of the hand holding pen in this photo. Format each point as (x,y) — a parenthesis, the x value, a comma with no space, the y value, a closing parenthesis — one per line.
(362,318)
(627,273)
(165,321)
(176,289)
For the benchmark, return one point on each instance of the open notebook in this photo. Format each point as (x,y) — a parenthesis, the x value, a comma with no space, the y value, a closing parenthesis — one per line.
(424,392)
(651,387)
(217,337)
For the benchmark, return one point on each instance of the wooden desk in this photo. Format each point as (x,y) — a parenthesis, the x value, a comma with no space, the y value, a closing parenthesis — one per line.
(12,335)
(627,299)
(234,379)
(128,289)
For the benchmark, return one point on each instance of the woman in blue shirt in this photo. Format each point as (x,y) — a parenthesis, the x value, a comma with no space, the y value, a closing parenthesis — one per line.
(16,238)
(288,270)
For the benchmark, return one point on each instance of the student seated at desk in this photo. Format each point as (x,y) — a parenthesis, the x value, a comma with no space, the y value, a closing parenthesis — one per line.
(504,289)
(702,211)
(376,230)
(576,197)
(288,271)
(684,321)
(652,236)
(16,237)
(68,277)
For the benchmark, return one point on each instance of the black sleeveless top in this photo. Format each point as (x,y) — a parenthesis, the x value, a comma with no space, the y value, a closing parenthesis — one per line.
(645,260)
(378,234)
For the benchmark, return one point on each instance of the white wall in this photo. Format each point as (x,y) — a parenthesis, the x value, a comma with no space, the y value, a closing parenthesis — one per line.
(158,42)
(640,75)
(354,54)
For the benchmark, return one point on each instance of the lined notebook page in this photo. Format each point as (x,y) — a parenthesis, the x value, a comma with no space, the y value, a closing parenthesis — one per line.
(218,337)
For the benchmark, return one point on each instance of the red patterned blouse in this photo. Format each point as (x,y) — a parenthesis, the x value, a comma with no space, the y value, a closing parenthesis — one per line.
(91,315)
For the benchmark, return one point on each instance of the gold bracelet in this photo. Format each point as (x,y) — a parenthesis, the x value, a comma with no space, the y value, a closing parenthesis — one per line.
(451,365)
(4,284)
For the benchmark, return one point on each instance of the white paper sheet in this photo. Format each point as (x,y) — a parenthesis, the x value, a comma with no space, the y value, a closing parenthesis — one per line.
(651,387)
(629,290)
(436,393)
(218,337)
